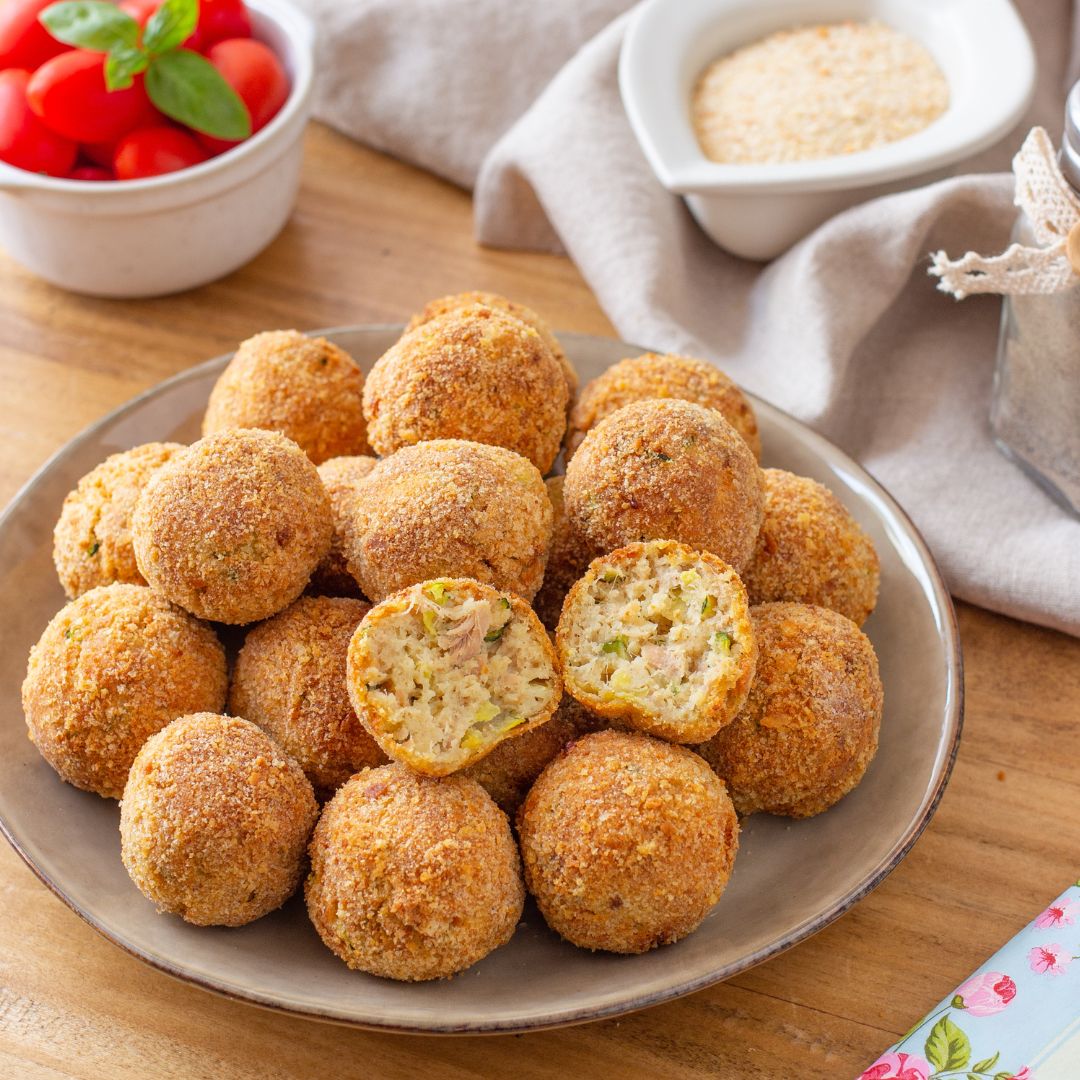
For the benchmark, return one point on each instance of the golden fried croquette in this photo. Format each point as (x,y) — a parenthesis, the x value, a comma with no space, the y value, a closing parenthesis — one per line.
(481,375)
(111,669)
(666,470)
(466,300)
(214,821)
(442,672)
(307,389)
(449,508)
(92,539)
(658,637)
(810,550)
(627,842)
(662,375)
(809,728)
(568,558)
(413,878)
(289,679)
(232,527)
(340,477)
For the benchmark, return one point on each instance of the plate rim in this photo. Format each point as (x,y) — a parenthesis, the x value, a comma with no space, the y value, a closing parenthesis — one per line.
(953,727)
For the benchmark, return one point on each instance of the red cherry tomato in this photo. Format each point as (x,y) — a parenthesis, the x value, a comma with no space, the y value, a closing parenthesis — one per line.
(222,19)
(256,74)
(24,42)
(68,92)
(91,172)
(24,140)
(99,153)
(141,10)
(156,150)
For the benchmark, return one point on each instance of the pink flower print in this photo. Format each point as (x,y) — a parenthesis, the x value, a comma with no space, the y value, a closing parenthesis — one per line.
(899,1067)
(1024,1074)
(986,994)
(1061,913)
(1049,959)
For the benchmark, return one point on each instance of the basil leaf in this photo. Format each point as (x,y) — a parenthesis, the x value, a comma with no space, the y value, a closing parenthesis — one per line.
(90,24)
(171,25)
(187,87)
(122,65)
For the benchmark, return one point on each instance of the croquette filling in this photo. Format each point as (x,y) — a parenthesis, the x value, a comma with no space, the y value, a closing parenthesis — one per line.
(660,635)
(456,674)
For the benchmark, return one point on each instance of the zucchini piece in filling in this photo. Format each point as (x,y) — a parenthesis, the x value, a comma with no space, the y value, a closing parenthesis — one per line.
(658,636)
(442,672)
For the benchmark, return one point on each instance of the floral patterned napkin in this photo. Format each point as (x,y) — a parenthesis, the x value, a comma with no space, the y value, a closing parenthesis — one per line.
(1016,1018)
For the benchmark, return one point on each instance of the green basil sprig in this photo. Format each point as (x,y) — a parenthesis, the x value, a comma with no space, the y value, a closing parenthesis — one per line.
(184,85)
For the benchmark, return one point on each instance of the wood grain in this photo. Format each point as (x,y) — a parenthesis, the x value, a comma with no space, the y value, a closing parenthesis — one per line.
(370,241)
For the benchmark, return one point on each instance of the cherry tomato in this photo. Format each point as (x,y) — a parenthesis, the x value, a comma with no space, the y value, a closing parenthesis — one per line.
(222,19)
(91,172)
(24,140)
(156,150)
(68,92)
(256,74)
(24,42)
(99,153)
(141,10)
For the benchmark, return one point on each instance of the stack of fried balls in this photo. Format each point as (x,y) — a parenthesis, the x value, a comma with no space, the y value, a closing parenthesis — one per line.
(461,682)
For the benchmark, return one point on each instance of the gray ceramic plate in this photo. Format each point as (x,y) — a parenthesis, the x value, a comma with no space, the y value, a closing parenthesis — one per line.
(790,879)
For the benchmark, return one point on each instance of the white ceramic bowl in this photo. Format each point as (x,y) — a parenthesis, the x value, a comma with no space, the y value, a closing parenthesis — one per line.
(168,233)
(758,211)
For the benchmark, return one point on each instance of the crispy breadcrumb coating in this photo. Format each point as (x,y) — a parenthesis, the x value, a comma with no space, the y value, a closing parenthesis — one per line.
(627,842)
(92,539)
(413,878)
(111,669)
(340,477)
(215,820)
(809,729)
(307,389)
(568,558)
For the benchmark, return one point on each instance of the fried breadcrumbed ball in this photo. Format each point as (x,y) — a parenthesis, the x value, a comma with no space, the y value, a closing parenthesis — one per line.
(233,526)
(479,374)
(658,637)
(442,672)
(662,375)
(289,679)
(92,539)
(449,508)
(340,477)
(627,842)
(462,301)
(306,388)
(568,558)
(215,820)
(666,470)
(809,729)
(111,669)
(810,550)
(413,878)
(508,772)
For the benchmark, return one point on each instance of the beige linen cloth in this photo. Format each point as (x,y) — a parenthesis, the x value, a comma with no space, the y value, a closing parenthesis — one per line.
(519,101)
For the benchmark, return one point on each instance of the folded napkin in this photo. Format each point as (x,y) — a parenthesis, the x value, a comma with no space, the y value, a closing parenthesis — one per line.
(846,331)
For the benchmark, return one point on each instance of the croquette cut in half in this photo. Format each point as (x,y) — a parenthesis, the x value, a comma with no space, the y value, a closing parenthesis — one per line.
(480,375)
(413,878)
(658,637)
(232,527)
(92,540)
(307,389)
(442,672)
(449,508)
(568,558)
(215,820)
(809,729)
(289,679)
(666,470)
(466,300)
(111,669)
(810,550)
(662,375)
(627,842)
(340,477)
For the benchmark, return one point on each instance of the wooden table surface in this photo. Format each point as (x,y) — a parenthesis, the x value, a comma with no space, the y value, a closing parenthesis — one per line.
(371,240)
